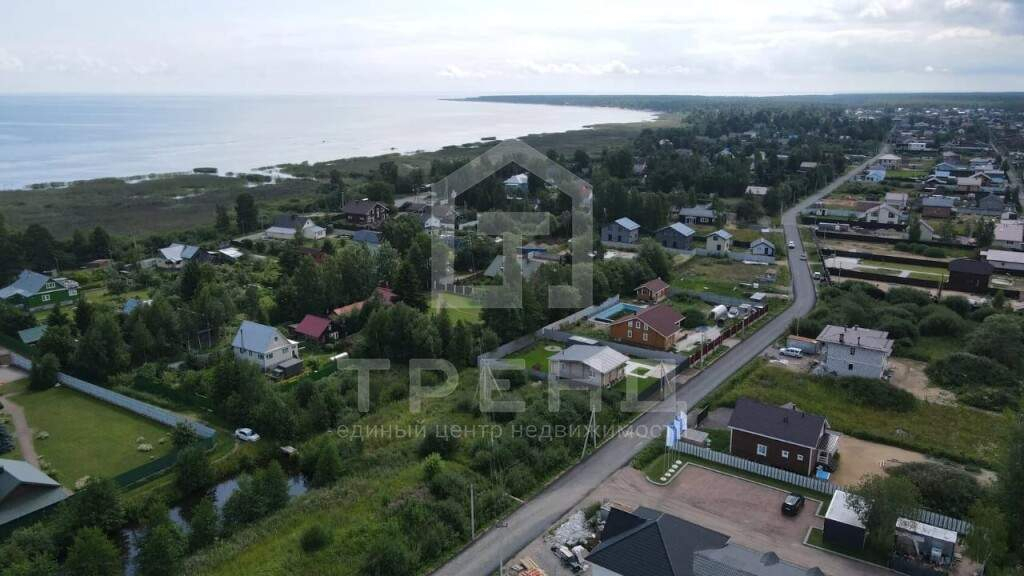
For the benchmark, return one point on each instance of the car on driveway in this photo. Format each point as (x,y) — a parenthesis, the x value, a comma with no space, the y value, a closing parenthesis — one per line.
(791,352)
(246,435)
(792,505)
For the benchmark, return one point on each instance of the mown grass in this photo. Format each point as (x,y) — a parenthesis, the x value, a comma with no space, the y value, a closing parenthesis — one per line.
(459,307)
(89,437)
(536,357)
(954,432)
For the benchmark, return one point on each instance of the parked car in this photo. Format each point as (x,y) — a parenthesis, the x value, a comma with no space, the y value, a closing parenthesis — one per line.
(246,435)
(792,352)
(567,558)
(792,505)
(817,275)
(803,256)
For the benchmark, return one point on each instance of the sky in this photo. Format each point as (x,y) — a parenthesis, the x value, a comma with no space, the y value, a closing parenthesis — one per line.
(756,47)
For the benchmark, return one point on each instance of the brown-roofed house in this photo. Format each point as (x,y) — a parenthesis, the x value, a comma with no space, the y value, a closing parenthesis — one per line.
(315,328)
(781,436)
(652,290)
(657,327)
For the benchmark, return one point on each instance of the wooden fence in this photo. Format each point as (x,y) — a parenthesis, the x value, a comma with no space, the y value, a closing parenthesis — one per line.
(709,346)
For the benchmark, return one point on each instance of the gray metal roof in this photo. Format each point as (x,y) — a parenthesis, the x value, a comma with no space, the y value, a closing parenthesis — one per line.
(784,424)
(938,201)
(258,337)
(178,252)
(32,335)
(680,228)
(25,489)
(26,284)
(628,224)
(734,559)
(857,337)
(600,358)
(723,234)
(697,212)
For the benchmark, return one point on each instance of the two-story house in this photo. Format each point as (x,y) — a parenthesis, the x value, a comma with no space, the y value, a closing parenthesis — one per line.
(656,326)
(782,436)
(854,351)
(263,345)
(35,291)
(623,231)
(883,214)
(289,226)
(676,236)
(762,247)
(365,213)
(719,243)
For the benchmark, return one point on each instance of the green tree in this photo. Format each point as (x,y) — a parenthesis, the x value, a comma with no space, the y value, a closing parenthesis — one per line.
(204,525)
(84,313)
(193,471)
(388,554)
(223,222)
(879,502)
(328,464)
(247,214)
(102,350)
(1000,338)
(184,435)
(162,550)
(652,254)
(987,540)
(100,245)
(98,504)
(914,229)
(191,280)
(314,538)
(93,554)
(1010,487)
(44,372)
(6,441)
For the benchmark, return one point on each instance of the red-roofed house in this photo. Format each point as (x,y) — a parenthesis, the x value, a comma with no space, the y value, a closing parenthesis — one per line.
(652,291)
(383,293)
(316,328)
(657,326)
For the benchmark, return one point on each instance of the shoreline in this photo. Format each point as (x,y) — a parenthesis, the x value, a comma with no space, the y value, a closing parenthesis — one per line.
(281,169)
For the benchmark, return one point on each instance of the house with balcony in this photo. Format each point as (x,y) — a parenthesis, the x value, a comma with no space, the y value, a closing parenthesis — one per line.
(855,351)
(782,437)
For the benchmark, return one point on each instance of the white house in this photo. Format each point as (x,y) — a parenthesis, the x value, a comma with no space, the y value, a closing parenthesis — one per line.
(719,242)
(287,226)
(883,214)
(854,351)
(1009,235)
(762,247)
(897,199)
(756,190)
(263,345)
(1004,260)
(596,365)
(889,161)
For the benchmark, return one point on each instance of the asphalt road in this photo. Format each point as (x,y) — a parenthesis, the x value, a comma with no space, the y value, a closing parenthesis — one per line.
(535,516)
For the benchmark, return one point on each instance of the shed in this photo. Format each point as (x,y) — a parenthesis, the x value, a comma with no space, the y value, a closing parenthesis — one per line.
(842,523)
(288,368)
(805,345)
(32,335)
(967,275)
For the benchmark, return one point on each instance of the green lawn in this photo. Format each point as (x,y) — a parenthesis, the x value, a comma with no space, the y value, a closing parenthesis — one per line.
(88,437)
(957,433)
(930,348)
(459,307)
(536,356)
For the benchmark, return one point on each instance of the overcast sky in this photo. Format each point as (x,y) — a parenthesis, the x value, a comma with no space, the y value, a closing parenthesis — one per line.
(477,47)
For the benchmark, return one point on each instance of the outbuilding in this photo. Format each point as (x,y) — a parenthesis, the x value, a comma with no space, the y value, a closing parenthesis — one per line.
(843,526)
(967,275)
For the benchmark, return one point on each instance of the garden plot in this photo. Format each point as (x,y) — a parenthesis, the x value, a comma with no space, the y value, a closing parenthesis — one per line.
(885,268)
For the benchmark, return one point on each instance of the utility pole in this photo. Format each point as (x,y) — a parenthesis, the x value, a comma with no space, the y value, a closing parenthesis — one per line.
(472,513)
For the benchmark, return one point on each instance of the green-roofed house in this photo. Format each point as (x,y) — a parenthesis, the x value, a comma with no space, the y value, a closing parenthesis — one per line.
(35,291)
(25,490)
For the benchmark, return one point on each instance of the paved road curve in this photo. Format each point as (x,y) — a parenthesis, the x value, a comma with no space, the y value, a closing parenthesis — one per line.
(535,516)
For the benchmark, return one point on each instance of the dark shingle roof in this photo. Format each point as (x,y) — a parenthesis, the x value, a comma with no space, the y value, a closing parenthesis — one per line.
(360,207)
(652,543)
(656,285)
(968,266)
(782,423)
(663,318)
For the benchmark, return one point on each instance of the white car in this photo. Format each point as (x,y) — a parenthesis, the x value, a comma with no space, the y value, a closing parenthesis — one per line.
(792,245)
(791,352)
(246,435)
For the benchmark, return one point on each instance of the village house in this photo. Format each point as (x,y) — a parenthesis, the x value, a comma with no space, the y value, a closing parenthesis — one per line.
(700,214)
(652,291)
(854,351)
(967,275)
(35,291)
(290,226)
(623,231)
(889,161)
(315,329)
(1005,260)
(937,206)
(1009,234)
(898,200)
(782,436)
(676,236)
(26,490)
(263,345)
(762,247)
(875,175)
(883,214)
(365,213)
(808,166)
(175,255)
(517,187)
(756,190)
(719,243)
(595,365)
(656,327)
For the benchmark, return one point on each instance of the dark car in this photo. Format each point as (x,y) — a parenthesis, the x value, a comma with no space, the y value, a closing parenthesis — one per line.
(792,505)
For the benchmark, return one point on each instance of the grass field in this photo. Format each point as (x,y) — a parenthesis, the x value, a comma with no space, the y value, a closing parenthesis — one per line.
(719,275)
(88,437)
(954,432)
(536,356)
(459,307)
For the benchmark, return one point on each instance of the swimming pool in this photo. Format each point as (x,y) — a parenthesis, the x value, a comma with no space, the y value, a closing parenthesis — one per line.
(614,312)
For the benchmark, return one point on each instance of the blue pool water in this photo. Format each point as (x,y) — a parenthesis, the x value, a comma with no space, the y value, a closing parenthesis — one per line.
(610,313)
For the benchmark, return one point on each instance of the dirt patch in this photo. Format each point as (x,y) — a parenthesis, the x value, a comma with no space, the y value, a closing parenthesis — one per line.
(909,375)
(860,458)
(10,374)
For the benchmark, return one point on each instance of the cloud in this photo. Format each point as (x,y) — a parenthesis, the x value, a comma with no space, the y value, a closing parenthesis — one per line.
(873,11)
(613,67)
(952,5)
(456,72)
(9,62)
(960,33)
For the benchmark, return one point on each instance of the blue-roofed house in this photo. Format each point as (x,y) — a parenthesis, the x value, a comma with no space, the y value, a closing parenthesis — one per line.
(32,335)
(875,175)
(177,255)
(623,231)
(133,304)
(368,237)
(263,345)
(677,236)
(25,490)
(719,243)
(35,291)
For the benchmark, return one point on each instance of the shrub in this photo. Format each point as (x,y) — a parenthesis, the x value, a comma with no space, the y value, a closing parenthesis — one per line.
(314,538)
(44,372)
(876,393)
(941,322)
(934,252)
(944,489)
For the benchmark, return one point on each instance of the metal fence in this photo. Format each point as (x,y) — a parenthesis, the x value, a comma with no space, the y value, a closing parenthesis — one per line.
(661,355)
(165,417)
(710,345)
(807,482)
(581,314)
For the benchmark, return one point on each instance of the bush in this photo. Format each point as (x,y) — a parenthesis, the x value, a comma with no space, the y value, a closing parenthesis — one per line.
(944,489)
(934,252)
(876,393)
(44,372)
(941,322)
(314,538)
